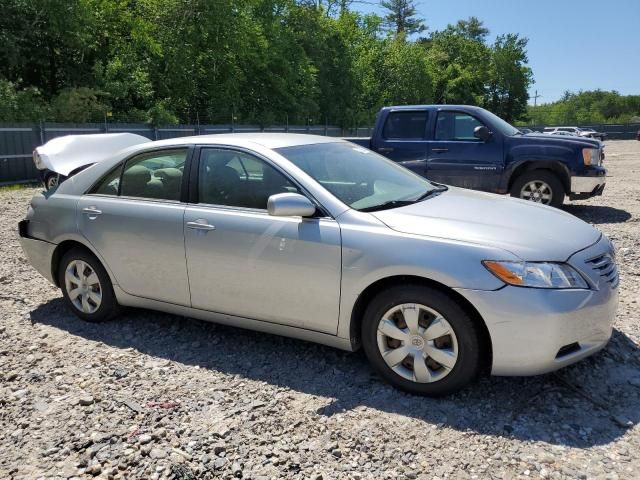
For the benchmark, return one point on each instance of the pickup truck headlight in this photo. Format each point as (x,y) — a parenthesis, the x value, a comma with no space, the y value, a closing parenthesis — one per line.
(591,156)
(536,274)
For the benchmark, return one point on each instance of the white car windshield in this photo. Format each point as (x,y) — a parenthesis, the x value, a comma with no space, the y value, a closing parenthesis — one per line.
(359,177)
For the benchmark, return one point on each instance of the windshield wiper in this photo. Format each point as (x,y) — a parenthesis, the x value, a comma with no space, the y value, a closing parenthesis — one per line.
(387,205)
(404,203)
(434,191)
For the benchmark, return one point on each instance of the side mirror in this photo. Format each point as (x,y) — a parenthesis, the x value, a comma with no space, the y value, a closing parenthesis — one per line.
(290,205)
(481,132)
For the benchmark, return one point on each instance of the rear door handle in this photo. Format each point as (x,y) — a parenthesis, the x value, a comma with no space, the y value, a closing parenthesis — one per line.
(91,211)
(439,150)
(385,149)
(200,224)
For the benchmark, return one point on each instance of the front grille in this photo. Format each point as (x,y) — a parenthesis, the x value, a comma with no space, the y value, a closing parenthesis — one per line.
(606,267)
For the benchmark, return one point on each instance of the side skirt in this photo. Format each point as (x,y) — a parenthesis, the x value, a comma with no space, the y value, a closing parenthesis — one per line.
(128,300)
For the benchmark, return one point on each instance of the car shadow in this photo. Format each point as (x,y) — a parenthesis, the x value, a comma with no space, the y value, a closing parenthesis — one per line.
(598,214)
(587,404)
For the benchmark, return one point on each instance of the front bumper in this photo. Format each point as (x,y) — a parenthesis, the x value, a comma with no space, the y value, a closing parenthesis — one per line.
(38,252)
(535,331)
(586,187)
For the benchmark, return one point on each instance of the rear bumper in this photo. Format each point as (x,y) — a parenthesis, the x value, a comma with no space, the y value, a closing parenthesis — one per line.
(535,331)
(38,252)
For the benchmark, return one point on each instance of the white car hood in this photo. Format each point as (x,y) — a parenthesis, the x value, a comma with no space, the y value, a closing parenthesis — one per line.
(65,154)
(531,231)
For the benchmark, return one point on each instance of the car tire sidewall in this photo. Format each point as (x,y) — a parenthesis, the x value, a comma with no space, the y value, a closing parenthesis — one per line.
(108,306)
(557,189)
(469,360)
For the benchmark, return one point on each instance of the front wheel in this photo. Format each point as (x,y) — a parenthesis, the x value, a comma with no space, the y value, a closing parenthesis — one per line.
(421,341)
(539,186)
(86,286)
(51,181)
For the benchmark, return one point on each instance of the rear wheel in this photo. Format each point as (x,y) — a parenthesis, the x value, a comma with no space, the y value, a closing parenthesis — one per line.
(421,341)
(539,186)
(86,286)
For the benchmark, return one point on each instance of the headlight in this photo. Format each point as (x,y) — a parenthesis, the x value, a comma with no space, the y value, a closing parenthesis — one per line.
(536,274)
(591,156)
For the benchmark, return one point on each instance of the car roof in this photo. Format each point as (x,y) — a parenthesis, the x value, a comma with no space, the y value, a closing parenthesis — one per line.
(429,107)
(267,140)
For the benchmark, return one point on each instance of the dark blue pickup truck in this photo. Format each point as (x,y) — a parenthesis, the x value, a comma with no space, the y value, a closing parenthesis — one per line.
(470,147)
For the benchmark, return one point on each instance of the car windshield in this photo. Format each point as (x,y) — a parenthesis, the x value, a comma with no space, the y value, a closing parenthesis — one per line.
(357,176)
(502,126)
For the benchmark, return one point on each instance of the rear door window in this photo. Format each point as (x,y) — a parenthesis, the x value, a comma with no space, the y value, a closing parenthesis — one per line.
(405,126)
(156,175)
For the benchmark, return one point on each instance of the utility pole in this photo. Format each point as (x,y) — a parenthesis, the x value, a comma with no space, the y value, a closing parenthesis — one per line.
(535,102)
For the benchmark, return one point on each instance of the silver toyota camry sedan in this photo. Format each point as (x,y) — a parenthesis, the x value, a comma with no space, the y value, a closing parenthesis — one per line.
(320,239)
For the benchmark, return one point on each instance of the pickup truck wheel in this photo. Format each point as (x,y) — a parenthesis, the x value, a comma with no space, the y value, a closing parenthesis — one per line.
(539,186)
(86,286)
(421,341)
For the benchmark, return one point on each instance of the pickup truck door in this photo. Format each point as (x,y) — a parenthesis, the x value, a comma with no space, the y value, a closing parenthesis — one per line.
(456,157)
(402,138)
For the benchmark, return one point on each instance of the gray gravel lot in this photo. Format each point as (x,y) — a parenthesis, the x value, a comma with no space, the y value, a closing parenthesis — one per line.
(151,395)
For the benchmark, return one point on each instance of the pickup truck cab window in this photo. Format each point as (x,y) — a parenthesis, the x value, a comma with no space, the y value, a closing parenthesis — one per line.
(456,126)
(407,125)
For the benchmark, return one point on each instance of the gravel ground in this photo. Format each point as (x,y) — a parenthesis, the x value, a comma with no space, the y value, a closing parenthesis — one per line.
(151,395)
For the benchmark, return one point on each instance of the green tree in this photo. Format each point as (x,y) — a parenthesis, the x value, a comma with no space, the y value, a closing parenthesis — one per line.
(590,107)
(472,29)
(458,67)
(78,105)
(402,17)
(509,78)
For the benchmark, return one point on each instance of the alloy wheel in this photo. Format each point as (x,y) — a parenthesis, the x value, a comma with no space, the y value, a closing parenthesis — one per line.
(417,343)
(537,191)
(83,286)
(52,182)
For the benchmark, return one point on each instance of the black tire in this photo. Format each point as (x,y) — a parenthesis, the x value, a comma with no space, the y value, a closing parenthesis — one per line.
(549,178)
(51,181)
(108,307)
(469,361)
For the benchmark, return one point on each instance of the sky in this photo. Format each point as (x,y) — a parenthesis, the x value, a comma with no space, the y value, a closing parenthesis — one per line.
(573,44)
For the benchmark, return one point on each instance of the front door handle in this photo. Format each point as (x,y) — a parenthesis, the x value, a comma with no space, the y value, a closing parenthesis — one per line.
(91,211)
(385,149)
(200,224)
(439,150)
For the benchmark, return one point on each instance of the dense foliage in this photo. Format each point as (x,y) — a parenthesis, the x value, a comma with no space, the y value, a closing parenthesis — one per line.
(246,61)
(588,108)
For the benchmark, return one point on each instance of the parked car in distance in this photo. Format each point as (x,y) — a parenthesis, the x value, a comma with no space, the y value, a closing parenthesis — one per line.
(562,133)
(323,240)
(469,147)
(577,131)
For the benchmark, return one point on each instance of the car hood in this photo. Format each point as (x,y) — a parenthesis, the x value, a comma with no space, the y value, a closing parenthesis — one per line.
(566,140)
(530,231)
